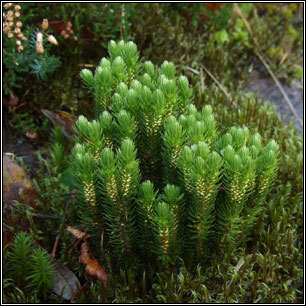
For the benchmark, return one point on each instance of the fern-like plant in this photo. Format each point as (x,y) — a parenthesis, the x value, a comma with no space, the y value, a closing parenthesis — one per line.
(30,270)
(154,173)
(42,273)
(18,258)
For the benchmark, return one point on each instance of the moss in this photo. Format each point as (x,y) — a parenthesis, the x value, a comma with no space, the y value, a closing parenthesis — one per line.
(229,60)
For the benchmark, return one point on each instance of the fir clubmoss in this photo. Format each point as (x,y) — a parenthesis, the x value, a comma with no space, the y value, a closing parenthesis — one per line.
(148,130)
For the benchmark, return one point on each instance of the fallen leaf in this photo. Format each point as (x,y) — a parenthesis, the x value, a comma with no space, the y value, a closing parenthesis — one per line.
(58,26)
(287,53)
(13,100)
(12,109)
(65,283)
(93,268)
(214,6)
(14,179)
(63,119)
(31,134)
(77,233)
(238,266)
(240,263)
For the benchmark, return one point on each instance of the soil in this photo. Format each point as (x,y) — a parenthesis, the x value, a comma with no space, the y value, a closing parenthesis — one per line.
(21,147)
(268,91)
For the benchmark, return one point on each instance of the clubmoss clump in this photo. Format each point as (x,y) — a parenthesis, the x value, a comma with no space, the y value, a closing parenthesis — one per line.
(154,173)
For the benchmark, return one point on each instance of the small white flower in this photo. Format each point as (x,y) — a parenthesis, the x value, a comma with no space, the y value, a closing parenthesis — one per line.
(52,40)
(69,25)
(7,5)
(39,48)
(45,24)
(39,37)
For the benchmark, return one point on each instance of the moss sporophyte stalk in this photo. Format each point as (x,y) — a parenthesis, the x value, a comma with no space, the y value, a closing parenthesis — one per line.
(154,173)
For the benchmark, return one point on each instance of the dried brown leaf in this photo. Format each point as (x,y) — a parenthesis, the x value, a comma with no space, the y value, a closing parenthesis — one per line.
(64,120)
(77,233)
(214,6)
(31,134)
(93,268)
(14,179)
(57,26)
(13,100)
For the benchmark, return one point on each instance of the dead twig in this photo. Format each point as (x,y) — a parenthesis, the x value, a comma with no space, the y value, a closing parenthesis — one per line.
(202,79)
(60,230)
(278,84)
(238,11)
(82,289)
(16,107)
(87,65)
(41,216)
(284,57)
(7,226)
(122,28)
(214,79)
(37,215)
(86,139)
(192,70)
(102,239)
